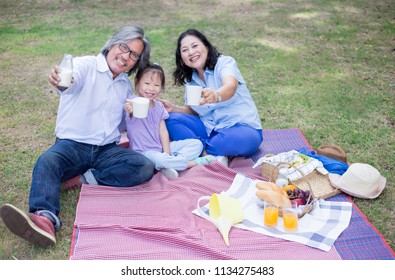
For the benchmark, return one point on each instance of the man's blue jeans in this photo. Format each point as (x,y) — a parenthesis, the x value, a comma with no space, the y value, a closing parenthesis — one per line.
(111,165)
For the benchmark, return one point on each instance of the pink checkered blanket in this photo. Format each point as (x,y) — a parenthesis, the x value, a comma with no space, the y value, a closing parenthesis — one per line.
(155,221)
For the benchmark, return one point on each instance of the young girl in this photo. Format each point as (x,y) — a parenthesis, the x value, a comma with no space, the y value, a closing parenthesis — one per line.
(149,135)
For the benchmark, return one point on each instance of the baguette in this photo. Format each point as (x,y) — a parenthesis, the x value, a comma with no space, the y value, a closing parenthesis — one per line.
(262,185)
(275,198)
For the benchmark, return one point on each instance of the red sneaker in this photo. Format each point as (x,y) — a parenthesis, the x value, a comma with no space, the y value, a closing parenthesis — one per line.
(36,229)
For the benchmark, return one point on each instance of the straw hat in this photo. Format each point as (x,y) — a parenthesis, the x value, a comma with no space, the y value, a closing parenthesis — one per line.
(332,151)
(360,180)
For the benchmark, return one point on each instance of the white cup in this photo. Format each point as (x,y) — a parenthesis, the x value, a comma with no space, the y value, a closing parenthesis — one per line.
(194,95)
(65,76)
(140,107)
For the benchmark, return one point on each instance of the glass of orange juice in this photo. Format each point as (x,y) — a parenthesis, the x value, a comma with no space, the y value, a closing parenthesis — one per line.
(270,215)
(290,218)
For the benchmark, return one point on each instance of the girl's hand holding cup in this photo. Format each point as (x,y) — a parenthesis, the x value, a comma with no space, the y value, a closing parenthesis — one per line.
(128,106)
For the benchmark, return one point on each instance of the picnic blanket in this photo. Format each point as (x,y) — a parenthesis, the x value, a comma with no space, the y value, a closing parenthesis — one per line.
(155,221)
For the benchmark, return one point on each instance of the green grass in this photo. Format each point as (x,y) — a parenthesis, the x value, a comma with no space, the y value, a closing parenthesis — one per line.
(325,67)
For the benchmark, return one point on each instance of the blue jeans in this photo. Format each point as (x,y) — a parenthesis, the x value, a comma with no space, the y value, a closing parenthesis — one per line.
(238,140)
(111,165)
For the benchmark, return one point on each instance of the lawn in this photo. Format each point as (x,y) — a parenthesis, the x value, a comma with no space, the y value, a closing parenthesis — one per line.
(325,67)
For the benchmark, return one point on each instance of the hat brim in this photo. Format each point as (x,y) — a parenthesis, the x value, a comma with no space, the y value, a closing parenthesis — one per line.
(334,179)
(332,151)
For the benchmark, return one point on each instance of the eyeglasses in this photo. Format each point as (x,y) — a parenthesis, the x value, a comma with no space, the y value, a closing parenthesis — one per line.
(125,49)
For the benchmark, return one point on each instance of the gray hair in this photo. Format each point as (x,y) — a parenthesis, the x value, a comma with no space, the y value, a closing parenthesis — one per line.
(123,36)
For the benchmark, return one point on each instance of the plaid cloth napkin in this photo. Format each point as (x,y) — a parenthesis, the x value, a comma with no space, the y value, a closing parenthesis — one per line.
(288,157)
(318,229)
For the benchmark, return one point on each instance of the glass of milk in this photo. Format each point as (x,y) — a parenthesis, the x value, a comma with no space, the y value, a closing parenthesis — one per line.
(66,71)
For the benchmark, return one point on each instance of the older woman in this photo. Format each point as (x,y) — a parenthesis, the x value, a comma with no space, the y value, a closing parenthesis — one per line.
(227,120)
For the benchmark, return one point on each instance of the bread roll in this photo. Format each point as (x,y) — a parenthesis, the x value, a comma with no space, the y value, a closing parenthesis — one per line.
(275,198)
(262,185)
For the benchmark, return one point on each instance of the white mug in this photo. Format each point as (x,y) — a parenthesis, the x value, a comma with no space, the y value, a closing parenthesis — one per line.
(140,107)
(194,95)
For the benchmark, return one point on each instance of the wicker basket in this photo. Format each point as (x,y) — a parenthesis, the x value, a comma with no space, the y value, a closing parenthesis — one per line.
(310,200)
(318,182)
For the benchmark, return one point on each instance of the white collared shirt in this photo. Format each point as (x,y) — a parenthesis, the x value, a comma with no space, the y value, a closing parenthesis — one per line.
(91,109)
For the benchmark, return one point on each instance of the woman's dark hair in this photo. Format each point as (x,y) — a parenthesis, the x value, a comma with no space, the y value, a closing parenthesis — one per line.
(183,73)
(150,67)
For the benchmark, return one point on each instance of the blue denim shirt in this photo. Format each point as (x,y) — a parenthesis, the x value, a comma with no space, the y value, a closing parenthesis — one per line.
(240,109)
